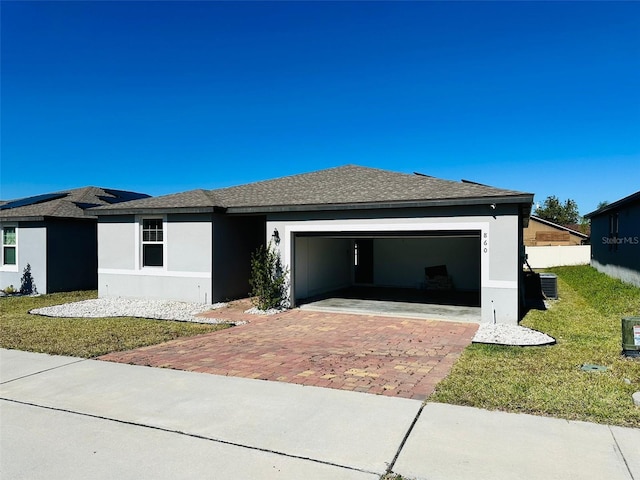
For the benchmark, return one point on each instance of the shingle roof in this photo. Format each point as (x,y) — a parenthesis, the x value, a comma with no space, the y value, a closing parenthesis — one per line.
(348,186)
(352,185)
(63,204)
(193,199)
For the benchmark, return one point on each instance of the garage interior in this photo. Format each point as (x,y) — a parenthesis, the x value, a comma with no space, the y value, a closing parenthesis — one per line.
(421,274)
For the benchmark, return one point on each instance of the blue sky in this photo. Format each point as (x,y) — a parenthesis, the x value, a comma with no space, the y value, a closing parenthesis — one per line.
(161,97)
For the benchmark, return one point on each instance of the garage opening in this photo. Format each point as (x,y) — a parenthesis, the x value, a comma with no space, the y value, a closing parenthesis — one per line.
(418,274)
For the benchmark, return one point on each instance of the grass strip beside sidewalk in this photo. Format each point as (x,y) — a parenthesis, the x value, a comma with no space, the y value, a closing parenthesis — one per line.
(585,321)
(83,337)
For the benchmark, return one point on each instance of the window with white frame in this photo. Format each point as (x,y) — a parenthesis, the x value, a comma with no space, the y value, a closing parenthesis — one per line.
(152,242)
(9,246)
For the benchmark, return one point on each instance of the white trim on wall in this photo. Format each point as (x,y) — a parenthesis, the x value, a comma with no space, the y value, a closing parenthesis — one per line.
(153,272)
(137,245)
(500,284)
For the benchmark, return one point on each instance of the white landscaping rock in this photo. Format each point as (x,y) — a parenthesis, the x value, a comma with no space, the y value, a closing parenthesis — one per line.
(270,311)
(502,334)
(132,307)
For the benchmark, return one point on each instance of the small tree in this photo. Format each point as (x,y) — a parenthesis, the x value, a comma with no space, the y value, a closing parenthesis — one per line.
(27,284)
(268,279)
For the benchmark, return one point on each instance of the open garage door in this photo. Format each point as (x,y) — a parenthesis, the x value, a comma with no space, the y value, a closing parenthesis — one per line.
(388,267)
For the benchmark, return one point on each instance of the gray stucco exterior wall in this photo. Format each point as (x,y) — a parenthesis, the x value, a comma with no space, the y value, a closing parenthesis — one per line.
(116,242)
(617,255)
(186,272)
(31,249)
(189,243)
(206,257)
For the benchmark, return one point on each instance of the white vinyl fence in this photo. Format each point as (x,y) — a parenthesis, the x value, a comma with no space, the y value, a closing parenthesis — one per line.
(557,256)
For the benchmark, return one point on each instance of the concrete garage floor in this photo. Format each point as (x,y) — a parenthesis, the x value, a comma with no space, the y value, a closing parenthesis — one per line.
(403,303)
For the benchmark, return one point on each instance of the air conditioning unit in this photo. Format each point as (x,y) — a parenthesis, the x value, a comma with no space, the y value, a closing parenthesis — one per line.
(631,336)
(549,283)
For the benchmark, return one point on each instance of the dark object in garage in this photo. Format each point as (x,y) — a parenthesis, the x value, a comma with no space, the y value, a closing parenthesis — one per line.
(438,278)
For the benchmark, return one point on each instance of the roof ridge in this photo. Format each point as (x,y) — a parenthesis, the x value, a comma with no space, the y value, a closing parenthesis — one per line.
(294,175)
(82,194)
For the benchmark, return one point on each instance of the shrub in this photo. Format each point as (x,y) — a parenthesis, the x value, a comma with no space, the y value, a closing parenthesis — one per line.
(268,279)
(27,284)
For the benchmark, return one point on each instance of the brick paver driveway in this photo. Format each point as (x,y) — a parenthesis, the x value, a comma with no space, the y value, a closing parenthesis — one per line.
(365,353)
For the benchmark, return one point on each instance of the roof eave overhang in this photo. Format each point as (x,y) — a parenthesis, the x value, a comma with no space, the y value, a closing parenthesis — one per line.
(155,211)
(28,218)
(42,218)
(526,199)
(634,197)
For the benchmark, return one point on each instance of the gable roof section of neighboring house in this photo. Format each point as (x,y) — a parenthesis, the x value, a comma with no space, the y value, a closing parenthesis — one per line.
(64,204)
(549,238)
(634,197)
(583,228)
(339,188)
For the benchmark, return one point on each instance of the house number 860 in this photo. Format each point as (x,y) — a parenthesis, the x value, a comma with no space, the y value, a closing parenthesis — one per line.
(486,242)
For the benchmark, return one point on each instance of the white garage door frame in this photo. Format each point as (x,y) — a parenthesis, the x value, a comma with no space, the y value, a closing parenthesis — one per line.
(493,292)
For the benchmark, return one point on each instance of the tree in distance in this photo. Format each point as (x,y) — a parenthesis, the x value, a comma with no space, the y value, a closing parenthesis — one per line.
(557,212)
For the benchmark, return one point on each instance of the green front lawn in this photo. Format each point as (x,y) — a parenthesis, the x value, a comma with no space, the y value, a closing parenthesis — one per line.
(82,337)
(585,321)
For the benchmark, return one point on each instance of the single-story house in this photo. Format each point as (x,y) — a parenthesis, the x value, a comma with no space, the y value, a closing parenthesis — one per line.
(333,228)
(52,233)
(541,232)
(615,239)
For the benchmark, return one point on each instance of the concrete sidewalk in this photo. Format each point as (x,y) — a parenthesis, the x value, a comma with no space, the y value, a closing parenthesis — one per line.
(70,418)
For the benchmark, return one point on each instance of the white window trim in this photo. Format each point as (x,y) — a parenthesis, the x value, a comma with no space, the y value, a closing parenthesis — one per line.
(138,241)
(3,267)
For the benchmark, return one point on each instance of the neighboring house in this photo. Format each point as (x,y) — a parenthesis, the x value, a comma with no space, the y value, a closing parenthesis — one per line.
(333,228)
(584,228)
(541,232)
(615,239)
(52,233)
(548,244)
